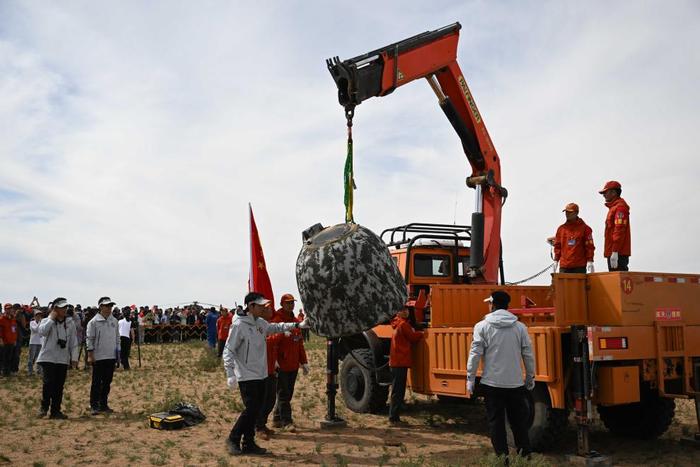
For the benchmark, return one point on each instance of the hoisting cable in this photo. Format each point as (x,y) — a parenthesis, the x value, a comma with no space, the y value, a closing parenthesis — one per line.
(531,277)
(551,266)
(349,178)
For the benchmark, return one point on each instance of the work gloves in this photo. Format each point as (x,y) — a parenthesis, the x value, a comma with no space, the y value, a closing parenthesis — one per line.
(231,382)
(529,383)
(613,260)
(470,385)
(304,324)
(589,267)
(305,369)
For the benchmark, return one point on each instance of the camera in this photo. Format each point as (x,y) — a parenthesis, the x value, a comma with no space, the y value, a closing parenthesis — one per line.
(62,343)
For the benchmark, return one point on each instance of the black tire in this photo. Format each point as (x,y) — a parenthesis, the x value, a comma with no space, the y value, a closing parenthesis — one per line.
(547,425)
(358,384)
(647,419)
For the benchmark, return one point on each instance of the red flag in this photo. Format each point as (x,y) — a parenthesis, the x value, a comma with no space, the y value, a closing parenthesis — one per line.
(258,280)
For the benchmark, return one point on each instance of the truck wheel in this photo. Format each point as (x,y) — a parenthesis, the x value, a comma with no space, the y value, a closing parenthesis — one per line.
(647,419)
(358,384)
(547,425)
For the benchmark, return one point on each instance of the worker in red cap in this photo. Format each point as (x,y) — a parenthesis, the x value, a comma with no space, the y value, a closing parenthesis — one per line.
(291,356)
(573,244)
(403,338)
(618,244)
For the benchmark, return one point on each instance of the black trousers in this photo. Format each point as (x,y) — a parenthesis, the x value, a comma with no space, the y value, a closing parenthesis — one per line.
(54,378)
(398,392)
(125,343)
(581,270)
(623,263)
(6,354)
(268,401)
(17,353)
(220,348)
(252,394)
(286,380)
(511,401)
(102,373)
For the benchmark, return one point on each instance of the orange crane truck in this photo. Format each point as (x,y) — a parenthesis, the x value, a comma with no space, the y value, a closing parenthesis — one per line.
(626,342)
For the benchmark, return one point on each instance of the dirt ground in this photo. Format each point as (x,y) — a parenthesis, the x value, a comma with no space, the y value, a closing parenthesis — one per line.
(438,434)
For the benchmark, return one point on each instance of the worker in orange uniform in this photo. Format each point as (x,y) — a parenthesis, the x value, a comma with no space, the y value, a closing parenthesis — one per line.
(9,333)
(223,325)
(402,339)
(304,332)
(291,356)
(573,243)
(618,243)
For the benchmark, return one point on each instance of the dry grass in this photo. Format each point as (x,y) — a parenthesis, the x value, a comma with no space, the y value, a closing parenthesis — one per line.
(438,434)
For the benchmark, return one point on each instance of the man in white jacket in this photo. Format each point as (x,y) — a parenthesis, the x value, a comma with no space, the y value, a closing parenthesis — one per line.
(60,348)
(34,342)
(245,361)
(103,346)
(503,343)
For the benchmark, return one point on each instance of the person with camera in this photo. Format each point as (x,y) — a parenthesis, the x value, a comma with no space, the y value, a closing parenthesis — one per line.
(103,346)
(60,349)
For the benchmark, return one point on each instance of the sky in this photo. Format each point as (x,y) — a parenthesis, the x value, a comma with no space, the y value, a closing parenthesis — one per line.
(133,136)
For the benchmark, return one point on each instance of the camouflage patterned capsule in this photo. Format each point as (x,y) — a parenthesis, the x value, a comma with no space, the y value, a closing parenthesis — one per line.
(348,281)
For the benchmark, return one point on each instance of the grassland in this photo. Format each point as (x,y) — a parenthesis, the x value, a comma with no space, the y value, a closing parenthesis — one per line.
(437,434)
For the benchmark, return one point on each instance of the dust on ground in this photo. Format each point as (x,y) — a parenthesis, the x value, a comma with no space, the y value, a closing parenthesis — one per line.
(438,434)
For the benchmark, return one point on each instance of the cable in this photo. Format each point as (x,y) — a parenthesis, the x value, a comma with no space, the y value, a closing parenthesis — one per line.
(531,277)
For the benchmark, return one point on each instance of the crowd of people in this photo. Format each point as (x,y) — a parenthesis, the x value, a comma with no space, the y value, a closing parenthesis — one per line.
(59,333)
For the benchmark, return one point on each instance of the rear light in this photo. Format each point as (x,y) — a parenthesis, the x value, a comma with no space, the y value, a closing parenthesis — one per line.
(612,343)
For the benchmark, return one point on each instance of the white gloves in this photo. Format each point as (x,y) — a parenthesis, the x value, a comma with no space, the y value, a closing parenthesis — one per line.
(305,369)
(231,382)
(288,333)
(304,324)
(589,267)
(613,260)
(470,386)
(529,383)
(555,267)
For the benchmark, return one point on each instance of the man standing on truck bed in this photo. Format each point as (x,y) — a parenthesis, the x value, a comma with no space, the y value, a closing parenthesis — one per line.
(503,342)
(618,244)
(573,243)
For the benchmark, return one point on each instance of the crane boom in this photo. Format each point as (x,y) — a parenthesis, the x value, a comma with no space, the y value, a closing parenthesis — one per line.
(433,55)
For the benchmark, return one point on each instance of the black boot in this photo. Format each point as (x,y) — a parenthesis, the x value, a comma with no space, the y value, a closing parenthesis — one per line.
(233,446)
(249,447)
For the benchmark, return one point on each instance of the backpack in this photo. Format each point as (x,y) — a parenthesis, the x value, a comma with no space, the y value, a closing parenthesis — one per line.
(191,414)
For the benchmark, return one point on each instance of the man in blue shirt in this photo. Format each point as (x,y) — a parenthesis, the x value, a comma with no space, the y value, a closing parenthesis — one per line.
(211,318)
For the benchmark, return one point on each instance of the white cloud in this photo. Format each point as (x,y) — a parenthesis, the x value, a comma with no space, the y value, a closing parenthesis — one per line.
(136,136)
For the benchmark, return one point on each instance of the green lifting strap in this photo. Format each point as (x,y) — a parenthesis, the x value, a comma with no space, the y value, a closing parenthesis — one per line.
(349,178)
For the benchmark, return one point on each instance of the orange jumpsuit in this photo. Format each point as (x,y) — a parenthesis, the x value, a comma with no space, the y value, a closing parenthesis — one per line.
(573,244)
(617,229)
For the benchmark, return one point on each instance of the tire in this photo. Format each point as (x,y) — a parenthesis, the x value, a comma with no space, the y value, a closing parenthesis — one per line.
(647,419)
(547,425)
(358,384)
